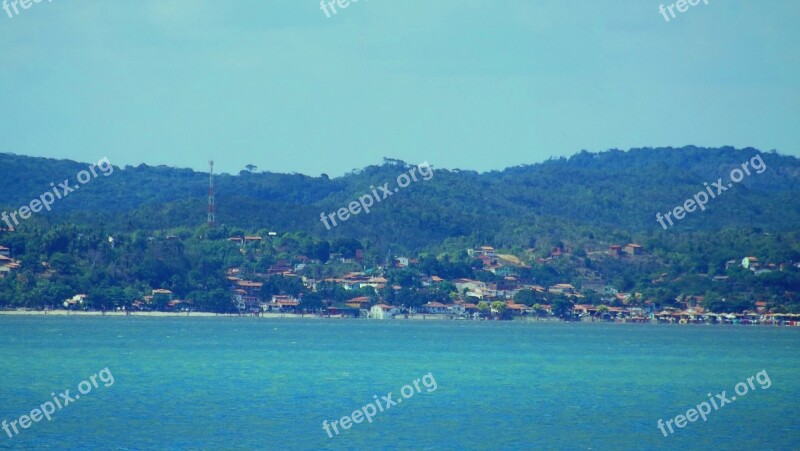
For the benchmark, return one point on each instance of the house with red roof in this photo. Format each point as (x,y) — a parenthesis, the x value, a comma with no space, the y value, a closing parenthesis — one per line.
(360,302)
(633,249)
(517,309)
(280,303)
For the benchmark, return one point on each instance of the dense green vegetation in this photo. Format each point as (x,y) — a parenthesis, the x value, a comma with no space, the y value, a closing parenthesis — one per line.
(611,194)
(579,205)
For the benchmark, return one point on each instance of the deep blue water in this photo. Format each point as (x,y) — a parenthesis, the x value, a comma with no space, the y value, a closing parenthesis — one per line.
(249,383)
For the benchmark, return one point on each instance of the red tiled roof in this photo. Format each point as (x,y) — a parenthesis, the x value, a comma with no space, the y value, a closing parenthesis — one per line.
(287,303)
(359,300)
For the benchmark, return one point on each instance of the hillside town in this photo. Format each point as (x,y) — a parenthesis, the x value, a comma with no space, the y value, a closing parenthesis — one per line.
(487,284)
(371,293)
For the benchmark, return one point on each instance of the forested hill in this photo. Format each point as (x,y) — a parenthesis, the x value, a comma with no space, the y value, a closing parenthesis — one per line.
(588,193)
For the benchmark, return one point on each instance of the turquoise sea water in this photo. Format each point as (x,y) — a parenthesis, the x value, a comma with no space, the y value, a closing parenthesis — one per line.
(249,383)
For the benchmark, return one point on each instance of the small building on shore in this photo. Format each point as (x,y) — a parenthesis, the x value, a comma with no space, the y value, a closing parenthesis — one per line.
(383,311)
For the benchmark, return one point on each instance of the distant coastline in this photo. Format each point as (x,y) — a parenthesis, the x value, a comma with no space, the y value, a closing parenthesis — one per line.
(412,317)
(139,313)
(266,315)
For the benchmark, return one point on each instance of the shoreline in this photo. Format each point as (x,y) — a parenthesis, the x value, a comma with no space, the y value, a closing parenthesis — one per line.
(148,314)
(270,315)
(267,315)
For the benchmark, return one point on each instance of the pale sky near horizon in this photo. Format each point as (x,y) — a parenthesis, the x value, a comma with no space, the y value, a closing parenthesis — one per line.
(470,84)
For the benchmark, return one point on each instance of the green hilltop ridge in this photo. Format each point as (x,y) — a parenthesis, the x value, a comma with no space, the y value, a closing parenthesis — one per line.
(554,222)
(613,190)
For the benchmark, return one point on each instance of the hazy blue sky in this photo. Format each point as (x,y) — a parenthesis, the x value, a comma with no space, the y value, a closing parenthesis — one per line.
(468,84)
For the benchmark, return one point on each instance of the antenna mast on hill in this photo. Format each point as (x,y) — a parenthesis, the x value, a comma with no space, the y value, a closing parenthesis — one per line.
(212,206)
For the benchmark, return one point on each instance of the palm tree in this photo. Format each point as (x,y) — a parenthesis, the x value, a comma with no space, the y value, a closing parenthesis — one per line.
(602,310)
(483,307)
(498,307)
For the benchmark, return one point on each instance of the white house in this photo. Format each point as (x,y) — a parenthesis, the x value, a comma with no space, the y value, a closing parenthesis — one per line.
(280,303)
(383,311)
(456,309)
(483,251)
(434,307)
(470,285)
(374,282)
